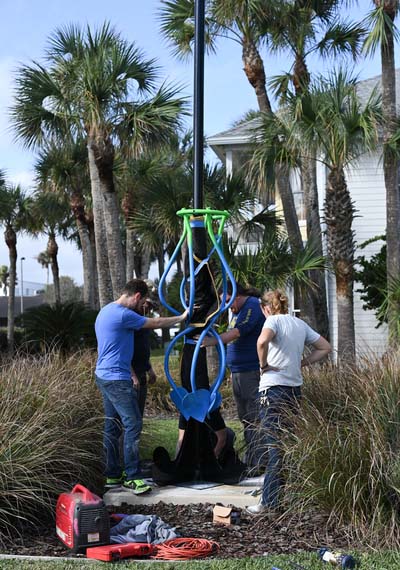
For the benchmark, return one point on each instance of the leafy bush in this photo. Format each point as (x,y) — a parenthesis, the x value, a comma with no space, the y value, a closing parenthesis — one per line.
(50,433)
(344,454)
(63,326)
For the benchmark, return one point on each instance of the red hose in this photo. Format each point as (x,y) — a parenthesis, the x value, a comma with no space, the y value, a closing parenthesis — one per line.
(185,548)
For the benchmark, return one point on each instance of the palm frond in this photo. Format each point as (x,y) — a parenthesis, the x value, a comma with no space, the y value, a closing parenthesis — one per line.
(380,24)
(342,38)
(151,122)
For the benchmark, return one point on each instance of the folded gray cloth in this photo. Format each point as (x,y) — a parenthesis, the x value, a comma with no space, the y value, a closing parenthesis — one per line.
(142,528)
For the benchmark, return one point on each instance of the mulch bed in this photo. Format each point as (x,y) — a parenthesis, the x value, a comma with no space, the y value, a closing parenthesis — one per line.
(254,536)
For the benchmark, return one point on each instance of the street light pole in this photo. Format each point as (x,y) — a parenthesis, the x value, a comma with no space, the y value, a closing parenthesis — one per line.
(22,286)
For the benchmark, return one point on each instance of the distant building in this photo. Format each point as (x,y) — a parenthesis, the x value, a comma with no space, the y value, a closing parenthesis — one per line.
(31,288)
(28,302)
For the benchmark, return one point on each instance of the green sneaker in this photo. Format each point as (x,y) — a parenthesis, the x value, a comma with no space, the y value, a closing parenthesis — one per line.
(138,486)
(112,482)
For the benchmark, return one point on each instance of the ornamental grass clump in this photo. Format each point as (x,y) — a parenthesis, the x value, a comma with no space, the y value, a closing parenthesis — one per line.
(344,453)
(50,433)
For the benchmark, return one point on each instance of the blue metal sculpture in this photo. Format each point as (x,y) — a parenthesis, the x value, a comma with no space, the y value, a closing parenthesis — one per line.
(199,402)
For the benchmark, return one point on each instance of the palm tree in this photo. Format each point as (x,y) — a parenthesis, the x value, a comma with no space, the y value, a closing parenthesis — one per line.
(274,264)
(101,87)
(51,215)
(137,175)
(4,275)
(383,33)
(15,217)
(43,259)
(239,20)
(272,159)
(302,29)
(64,169)
(330,122)
(248,23)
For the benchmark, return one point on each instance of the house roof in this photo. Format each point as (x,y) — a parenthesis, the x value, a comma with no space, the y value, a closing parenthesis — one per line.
(243,134)
(29,302)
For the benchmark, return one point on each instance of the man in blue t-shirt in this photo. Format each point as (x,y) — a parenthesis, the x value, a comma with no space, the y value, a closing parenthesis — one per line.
(242,359)
(115,326)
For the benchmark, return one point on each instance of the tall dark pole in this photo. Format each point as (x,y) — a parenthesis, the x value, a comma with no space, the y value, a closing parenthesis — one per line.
(198,105)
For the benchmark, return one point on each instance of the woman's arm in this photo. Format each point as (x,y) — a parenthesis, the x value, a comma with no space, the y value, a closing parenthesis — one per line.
(321,349)
(262,348)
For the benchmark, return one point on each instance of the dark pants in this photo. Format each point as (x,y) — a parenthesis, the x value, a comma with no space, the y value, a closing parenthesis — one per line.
(245,391)
(214,420)
(277,405)
(142,391)
(121,412)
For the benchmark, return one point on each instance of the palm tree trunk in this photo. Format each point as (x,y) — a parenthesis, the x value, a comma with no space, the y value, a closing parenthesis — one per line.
(78,210)
(103,152)
(11,241)
(314,237)
(390,166)
(146,261)
(254,69)
(94,263)
(142,264)
(294,235)
(103,271)
(308,169)
(52,252)
(339,215)
(165,334)
(87,264)
(130,253)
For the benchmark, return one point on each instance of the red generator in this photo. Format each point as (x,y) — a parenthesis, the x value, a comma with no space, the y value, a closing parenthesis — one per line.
(82,520)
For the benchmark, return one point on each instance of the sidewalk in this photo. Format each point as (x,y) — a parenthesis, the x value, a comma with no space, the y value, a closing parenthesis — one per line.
(239,495)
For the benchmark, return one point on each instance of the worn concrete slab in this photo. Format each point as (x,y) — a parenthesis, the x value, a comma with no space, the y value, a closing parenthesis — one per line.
(239,495)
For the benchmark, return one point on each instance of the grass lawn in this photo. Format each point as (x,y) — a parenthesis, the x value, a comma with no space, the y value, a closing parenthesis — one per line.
(164,432)
(377,561)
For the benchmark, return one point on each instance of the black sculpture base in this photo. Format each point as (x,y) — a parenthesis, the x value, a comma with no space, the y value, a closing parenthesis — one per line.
(196,460)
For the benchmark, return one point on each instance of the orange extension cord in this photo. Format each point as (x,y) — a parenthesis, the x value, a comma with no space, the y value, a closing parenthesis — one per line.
(185,548)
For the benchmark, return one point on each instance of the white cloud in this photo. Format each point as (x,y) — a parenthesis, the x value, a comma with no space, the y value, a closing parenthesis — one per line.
(69,259)
(6,67)
(25,178)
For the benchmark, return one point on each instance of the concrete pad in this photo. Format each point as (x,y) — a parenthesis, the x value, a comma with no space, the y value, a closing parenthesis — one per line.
(240,495)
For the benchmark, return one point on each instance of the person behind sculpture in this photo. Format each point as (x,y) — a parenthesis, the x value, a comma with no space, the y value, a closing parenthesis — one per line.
(115,325)
(280,348)
(142,370)
(242,360)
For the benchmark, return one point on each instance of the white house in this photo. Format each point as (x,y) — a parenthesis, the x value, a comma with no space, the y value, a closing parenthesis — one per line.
(366,185)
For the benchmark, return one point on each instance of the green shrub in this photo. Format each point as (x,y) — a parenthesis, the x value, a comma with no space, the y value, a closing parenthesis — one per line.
(62,326)
(344,454)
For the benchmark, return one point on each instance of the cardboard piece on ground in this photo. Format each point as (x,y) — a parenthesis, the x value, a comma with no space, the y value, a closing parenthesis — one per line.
(225,515)
(199,485)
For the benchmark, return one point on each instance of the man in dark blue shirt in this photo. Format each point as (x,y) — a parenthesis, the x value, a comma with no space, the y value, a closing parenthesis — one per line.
(242,360)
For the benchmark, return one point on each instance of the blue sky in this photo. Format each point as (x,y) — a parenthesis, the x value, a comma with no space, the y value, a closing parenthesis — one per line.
(28,23)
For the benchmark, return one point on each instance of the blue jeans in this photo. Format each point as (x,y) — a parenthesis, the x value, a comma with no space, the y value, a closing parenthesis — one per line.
(277,404)
(121,410)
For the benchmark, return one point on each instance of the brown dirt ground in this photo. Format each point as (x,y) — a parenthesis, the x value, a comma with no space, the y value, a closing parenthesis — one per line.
(254,536)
